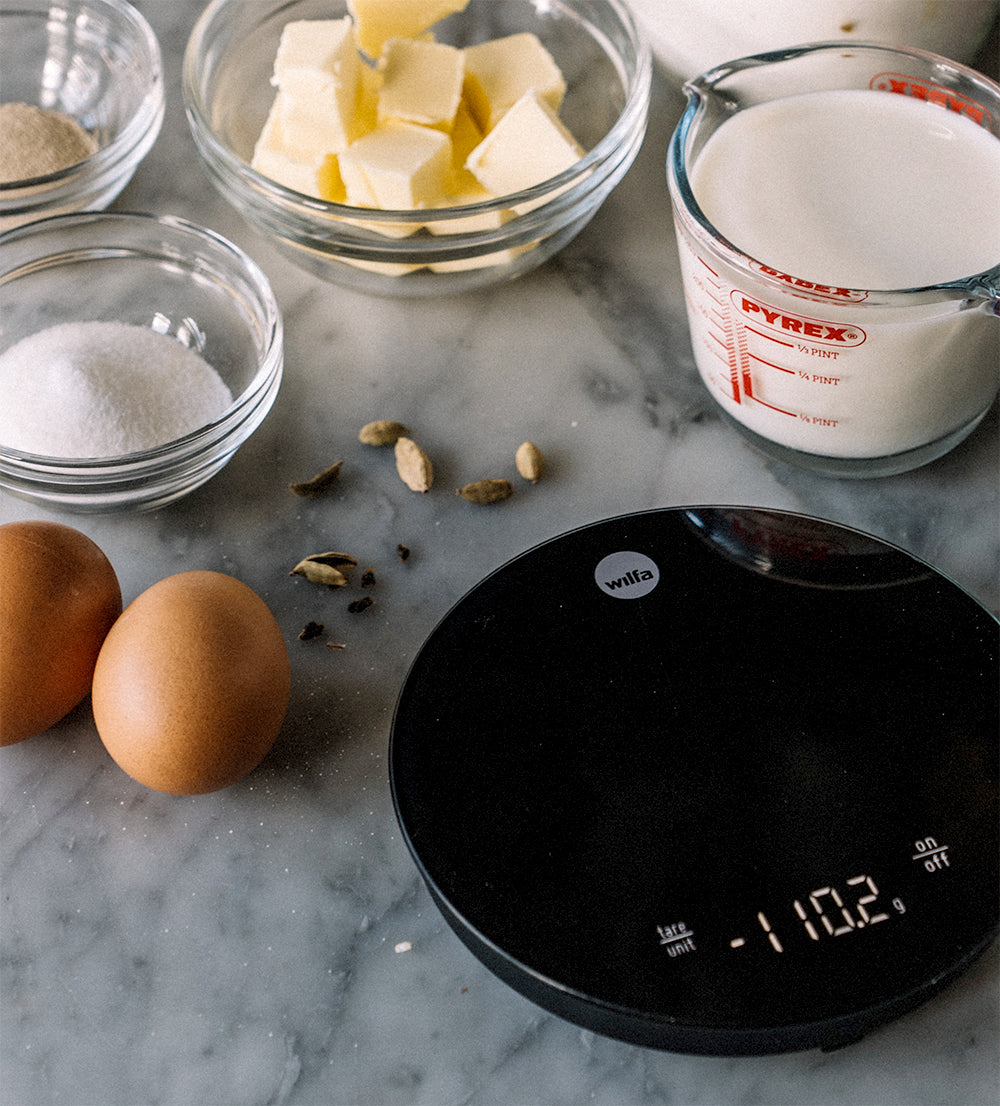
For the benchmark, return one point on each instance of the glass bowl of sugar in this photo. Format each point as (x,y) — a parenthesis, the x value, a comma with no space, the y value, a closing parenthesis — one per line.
(138,353)
(81,104)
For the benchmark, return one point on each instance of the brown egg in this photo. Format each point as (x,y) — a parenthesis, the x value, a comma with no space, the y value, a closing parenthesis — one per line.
(59,596)
(192,684)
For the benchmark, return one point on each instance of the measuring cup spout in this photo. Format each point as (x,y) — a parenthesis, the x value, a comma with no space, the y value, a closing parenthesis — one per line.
(980,292)
(708,81)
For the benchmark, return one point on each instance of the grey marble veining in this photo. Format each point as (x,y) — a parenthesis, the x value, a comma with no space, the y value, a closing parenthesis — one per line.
(273,943)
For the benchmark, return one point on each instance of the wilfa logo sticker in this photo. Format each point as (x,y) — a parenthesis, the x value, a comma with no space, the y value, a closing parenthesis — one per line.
(627,575)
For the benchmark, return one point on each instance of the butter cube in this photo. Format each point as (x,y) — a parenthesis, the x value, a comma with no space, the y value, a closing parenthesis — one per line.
(421,82)
(377,21)
(384,268)
(463,188)
(300,176)
(366,118)
(310,130)
(317,67)
(359,191)
(303,170)
(484,261)
(529,145)
(397,166)
(465,137)
(499,72)
(471,224)
(330,181)
(312,55)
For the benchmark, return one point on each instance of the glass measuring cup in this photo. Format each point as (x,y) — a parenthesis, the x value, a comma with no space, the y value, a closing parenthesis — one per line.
(847,381)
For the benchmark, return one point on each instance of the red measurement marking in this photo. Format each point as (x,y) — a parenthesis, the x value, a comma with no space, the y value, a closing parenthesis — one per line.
(732,356)
(744,360)
(720,386)
(772,365)
(723,350)
(780,410)
(771,338)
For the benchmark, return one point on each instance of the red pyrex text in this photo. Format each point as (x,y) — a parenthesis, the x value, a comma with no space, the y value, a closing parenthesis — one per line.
(841,335)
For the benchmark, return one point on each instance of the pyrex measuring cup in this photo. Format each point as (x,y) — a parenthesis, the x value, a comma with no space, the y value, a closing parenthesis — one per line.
(847,381)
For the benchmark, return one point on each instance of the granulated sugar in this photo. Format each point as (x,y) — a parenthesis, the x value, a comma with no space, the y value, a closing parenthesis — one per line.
(100,389)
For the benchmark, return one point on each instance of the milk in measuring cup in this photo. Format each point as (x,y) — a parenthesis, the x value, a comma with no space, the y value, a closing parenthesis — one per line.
(837,194)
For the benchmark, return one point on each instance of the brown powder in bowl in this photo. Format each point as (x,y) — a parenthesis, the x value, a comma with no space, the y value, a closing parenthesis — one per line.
(36,141)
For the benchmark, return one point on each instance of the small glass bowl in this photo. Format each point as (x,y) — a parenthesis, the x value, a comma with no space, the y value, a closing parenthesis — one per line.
(99,62)
(603,57)
(145,270)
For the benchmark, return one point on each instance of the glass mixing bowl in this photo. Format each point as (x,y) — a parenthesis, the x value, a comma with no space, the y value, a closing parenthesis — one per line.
(606,64)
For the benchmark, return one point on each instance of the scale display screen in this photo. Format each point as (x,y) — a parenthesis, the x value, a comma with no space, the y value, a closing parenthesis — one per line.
(714,780)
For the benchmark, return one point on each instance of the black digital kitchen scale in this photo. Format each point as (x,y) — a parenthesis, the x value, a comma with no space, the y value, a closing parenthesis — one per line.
(712,780)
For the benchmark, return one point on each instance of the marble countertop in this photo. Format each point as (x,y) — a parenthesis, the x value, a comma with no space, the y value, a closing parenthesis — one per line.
(273,943)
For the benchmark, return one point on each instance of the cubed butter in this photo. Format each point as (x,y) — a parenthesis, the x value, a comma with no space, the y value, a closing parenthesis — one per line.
(377,21)
(317,67)
(397,166)
(321,182)
(463,188)
(425,126)
(318,74)
(465,137)
(300,176)
(330,181)
(483,261)
(499,72)
(421,82)
(359,191)
(369,87)
(310,128)
(471,224)
(383,268)
(313,174)
(529,145)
